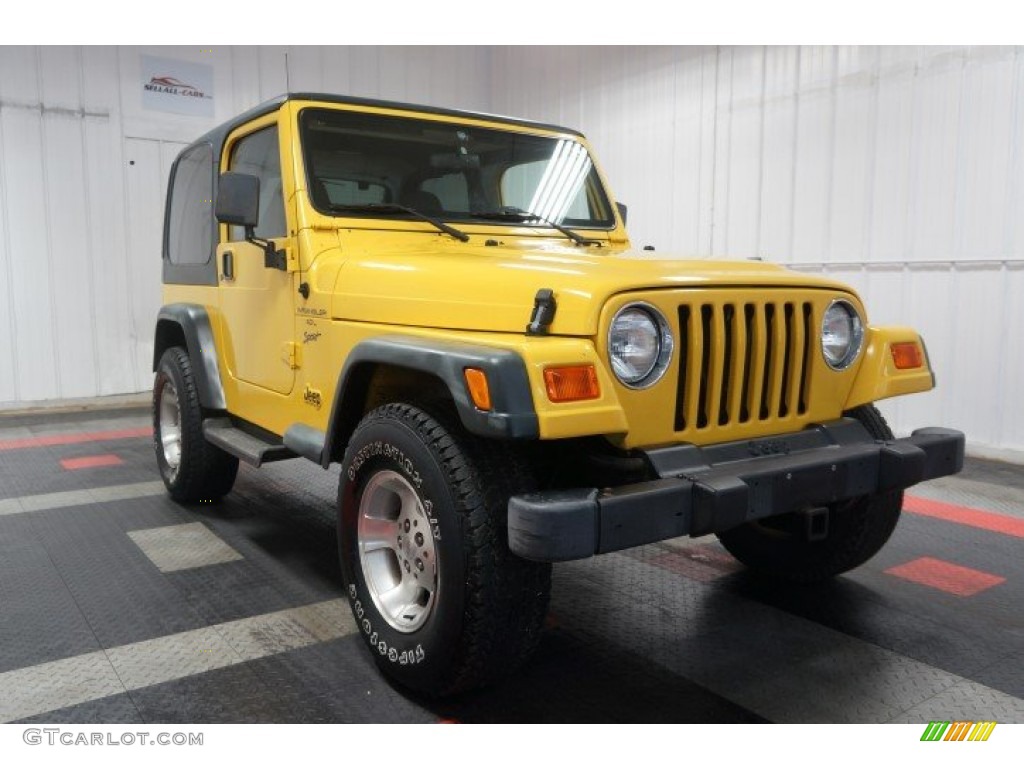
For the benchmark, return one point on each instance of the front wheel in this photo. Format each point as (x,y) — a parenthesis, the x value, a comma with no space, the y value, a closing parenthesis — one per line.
(857,529)
(422,527)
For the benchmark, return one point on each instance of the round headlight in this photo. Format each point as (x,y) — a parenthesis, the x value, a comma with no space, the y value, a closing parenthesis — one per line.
(639,345)
(842,333)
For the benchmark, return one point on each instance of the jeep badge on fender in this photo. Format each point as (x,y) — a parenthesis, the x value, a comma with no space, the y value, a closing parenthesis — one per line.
(448,305)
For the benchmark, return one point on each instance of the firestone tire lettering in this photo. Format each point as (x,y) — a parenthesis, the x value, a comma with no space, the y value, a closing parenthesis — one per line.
(488,606)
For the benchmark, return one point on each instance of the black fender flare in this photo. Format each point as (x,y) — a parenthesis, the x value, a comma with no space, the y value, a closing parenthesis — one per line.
(512,415)
(193,321)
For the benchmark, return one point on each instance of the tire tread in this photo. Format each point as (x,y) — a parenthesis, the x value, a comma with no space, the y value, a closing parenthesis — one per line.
(206,472)
(506,597)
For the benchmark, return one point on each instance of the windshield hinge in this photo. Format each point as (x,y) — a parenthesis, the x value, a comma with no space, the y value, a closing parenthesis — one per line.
(544,307)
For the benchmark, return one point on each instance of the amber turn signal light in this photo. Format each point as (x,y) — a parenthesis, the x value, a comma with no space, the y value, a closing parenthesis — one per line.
(571,382)
(479,391)
(907,354)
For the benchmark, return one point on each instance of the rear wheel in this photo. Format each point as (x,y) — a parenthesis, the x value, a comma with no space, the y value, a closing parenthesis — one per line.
(857,529)
(441,601)
(192,469)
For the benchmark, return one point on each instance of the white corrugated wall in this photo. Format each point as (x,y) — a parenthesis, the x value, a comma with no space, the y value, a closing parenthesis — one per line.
(899,170)
(83,170)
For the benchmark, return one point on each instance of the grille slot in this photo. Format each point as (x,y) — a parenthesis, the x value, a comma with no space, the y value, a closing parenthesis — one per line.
(684,347)
(808,340)
(706,314)
(743,361)
(729,318)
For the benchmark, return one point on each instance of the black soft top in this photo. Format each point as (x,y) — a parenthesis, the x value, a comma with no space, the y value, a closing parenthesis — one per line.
(218,135)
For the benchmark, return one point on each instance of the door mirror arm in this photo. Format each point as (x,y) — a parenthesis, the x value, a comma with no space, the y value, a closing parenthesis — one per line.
(273,258)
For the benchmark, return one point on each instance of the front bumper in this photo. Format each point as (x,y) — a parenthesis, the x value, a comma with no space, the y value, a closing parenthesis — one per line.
(715,488)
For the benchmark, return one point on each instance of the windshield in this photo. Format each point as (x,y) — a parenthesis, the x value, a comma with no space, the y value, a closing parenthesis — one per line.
(448,171)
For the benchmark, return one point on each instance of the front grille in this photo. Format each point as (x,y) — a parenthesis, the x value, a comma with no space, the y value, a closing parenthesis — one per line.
(743,362)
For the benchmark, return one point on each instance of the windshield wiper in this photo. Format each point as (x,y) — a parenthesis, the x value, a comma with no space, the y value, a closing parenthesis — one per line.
(511,213)
(386,208)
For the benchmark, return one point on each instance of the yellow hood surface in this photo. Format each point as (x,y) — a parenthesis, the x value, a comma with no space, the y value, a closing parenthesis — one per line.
(492,288)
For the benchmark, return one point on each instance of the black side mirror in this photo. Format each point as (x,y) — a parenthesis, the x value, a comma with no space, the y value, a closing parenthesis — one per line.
(622,211)
(238,200)
(238,203)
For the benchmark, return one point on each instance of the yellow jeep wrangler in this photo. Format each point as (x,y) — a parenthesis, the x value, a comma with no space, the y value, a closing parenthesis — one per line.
(447,304)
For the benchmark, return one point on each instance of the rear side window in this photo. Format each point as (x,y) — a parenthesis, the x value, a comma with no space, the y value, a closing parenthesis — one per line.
(190,226)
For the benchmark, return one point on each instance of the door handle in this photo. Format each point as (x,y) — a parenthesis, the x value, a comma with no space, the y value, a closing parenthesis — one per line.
(227,264)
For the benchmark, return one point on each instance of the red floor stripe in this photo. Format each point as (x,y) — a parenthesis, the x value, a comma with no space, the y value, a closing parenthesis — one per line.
(77,437)
(976,518)
(88,462)
(955,579)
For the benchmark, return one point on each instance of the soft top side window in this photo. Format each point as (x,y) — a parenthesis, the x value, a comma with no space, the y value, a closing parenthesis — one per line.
(190,220)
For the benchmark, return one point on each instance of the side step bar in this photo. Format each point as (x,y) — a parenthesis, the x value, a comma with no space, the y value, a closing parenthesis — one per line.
(249,448)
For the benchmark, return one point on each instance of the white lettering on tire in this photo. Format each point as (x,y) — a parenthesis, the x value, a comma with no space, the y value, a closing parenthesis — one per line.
(392,654)
(379,448)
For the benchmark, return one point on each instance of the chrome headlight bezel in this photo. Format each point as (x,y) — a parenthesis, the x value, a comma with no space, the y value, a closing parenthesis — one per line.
(855,339)
(661,336)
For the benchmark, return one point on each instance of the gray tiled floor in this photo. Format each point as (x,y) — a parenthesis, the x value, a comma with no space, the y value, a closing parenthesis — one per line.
(245,622)
(179,547)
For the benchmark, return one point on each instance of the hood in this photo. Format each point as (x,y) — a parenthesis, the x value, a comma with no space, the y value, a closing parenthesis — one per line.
(493,288)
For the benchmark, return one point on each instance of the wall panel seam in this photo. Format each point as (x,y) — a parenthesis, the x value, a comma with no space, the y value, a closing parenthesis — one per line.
(48,237)
(795,155)
(1014,184)
(759,250)
(727,203)
(959,172)
(830,181)
(909,240)
(8,267)
(867,247)
(90,252)
(129,275)
(714,148)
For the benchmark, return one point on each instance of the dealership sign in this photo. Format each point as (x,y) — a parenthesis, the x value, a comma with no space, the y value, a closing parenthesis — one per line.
(169,85)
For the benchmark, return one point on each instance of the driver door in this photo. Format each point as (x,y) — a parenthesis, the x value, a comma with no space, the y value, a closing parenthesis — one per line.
(257,301)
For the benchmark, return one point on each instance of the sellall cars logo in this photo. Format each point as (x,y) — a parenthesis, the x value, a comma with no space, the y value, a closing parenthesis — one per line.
(958,731)
(174,87)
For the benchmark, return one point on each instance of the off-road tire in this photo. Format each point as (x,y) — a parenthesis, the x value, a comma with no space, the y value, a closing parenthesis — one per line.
(857,529)
(204,472)
(488,605)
